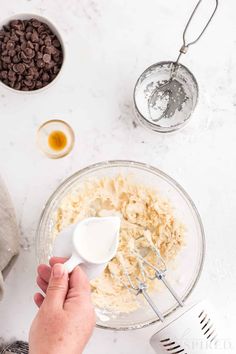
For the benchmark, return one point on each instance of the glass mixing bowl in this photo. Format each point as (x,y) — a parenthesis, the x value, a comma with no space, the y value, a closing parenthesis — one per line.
(183,274)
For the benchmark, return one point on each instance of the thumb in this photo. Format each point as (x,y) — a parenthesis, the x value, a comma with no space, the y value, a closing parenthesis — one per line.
(57,287)
(79,287)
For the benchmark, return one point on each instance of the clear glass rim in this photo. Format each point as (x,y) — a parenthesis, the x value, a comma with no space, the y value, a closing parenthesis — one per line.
(154,127)
(148,168)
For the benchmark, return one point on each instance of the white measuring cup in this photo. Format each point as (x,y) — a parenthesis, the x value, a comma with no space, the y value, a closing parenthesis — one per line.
(91,243)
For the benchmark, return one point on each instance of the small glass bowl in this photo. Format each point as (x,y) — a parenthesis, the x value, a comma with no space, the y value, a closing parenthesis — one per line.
(188,266)
(48,128)
(28,16)
(146,85)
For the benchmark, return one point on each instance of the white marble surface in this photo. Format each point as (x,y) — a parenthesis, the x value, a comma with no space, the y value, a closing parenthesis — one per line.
(109,43)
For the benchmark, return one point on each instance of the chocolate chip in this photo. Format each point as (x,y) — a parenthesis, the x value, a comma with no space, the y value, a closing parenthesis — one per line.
(56,70)
(2,34)
(23,55)
(6,59)
(27,61)
(35,23)
(33,71)
(36,47)
(23,46)
(17,86)
(56,43)
(15,59)
(29,77)
(38,84)
(20,68)
(28,35)
(56,58)
(20,33)
(45,77)
(4,65)
(30,53)
(4,53)
(11,75)
(33,85)
(42,49)
(15,68)
(51,50)
(29,29)
(11,83)
(47,58)
(39,55)
(40,63)
(4,74)
(34,36)
(30,45)
(27,65)
(10,45)
(11,52)
(50,65)
(6,28)
(40,29)
(48,41)
(44,34)
(16,24)
(28,83)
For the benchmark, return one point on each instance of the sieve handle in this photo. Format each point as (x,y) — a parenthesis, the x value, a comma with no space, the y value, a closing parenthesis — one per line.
(185,46)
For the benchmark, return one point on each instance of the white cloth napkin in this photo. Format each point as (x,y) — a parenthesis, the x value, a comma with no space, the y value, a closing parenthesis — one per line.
(9,234)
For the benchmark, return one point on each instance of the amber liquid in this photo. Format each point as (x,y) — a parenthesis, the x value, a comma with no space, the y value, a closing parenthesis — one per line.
(57,140)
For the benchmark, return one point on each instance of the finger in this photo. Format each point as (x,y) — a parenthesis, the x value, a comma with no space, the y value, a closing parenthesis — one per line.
(44,271)
(42,284)
(79,288)
(57,287)
(38,299)
(55,260)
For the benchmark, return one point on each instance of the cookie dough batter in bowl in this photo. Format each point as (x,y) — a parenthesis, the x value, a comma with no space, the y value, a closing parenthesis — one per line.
(150,204)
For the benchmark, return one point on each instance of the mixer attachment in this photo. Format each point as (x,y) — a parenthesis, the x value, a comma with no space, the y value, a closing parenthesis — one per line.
(147,271)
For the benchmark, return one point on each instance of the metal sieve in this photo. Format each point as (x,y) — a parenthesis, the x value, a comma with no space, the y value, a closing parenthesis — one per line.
(166,93)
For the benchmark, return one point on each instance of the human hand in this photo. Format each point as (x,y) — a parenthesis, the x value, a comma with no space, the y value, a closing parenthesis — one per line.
(66,318)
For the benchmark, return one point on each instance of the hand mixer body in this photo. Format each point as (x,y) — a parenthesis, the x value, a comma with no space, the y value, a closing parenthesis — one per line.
(194,332)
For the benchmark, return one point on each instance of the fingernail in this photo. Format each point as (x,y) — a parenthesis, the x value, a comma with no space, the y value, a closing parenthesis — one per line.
(58,270)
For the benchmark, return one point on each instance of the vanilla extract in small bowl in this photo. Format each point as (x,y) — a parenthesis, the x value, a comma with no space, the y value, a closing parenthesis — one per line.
(55,139)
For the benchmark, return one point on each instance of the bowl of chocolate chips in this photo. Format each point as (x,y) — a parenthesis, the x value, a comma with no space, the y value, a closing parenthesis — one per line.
(31,53)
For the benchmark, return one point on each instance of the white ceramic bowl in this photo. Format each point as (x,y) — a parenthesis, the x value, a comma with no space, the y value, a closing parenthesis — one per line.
(183,275)
(24,16)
